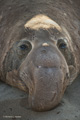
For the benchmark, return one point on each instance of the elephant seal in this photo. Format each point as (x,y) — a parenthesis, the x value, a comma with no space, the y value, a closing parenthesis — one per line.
(39,53)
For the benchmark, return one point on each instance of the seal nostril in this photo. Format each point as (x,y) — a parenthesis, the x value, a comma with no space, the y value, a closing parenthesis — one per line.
(43,51)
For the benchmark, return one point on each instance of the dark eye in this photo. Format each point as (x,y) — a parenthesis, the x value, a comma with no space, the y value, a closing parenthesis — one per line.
(62,44)
(24,47)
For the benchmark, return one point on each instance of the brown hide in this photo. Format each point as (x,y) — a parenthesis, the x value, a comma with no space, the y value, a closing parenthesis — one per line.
(15,14)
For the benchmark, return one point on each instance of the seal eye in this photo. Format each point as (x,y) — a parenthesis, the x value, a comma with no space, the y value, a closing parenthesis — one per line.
(62,44)
(24,47)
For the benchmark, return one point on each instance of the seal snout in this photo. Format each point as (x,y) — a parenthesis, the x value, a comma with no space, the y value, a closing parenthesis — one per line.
(45,78)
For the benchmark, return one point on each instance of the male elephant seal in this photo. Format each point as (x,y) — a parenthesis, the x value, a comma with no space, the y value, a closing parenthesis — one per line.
(39,49)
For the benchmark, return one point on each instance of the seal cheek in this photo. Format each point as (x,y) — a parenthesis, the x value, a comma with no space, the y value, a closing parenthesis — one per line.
(13,79)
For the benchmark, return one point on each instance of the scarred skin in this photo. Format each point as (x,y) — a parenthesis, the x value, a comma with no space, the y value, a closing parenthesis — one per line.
(39,48)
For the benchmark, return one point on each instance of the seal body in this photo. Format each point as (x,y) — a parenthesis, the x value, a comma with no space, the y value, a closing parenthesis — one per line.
(39,48)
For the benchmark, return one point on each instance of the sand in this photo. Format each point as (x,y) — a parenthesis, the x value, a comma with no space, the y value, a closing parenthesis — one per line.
(14,105)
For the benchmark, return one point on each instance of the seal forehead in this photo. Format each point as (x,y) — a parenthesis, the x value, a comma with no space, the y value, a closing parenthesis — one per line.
(41,21)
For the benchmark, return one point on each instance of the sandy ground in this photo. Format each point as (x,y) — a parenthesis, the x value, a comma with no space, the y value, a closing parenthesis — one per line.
(14,106)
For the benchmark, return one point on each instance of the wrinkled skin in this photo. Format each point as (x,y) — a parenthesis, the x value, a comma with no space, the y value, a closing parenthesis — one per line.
(40,68)
(41,62)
